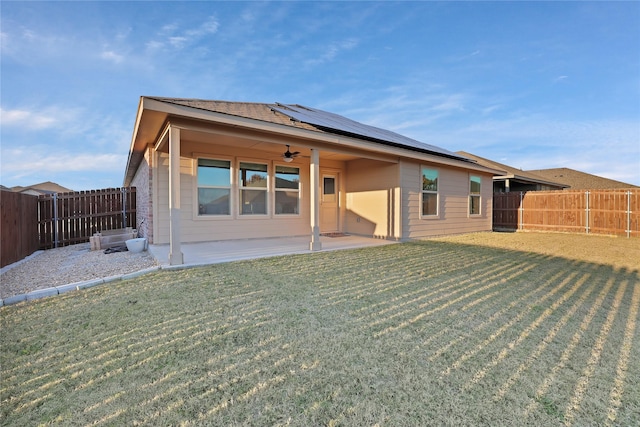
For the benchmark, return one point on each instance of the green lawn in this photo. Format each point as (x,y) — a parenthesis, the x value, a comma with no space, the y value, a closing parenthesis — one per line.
(433,333)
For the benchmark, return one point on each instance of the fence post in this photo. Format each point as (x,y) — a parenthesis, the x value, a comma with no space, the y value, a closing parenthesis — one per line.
(123,197)
(628,214)
(521,211)
(587,213)
(55,220)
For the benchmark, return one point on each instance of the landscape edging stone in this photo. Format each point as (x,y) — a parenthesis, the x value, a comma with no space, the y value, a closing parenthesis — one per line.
(57,290)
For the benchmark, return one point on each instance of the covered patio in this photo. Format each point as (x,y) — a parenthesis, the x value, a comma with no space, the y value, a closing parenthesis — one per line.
(205,253)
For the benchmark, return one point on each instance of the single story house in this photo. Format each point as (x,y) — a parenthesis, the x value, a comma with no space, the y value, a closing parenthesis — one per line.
(217,170)
(513,179)
(42,188)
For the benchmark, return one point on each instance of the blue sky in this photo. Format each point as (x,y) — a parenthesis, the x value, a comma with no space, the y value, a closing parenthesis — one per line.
(531,84)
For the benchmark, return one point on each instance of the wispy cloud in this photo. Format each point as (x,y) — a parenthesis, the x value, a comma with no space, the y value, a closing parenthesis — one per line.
(28,44)
(608,148)
(331,51)
(171,34)
(112,56)
(34,119)
(49,143)
(406,108)
(178,41)
(36,160)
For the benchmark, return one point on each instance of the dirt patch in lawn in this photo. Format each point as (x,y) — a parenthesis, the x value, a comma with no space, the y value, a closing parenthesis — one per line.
(615,251)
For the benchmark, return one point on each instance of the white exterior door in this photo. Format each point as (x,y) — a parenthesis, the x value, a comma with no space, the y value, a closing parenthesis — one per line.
(329,203)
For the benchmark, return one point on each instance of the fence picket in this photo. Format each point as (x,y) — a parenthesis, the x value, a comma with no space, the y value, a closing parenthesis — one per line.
(71,218)
(613,212)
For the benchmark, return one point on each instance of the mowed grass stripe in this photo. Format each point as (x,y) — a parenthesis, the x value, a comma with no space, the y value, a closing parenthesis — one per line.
(596,352)
(588,323)
(469,319)
(406,273)
(505,327)
(548,339)
(172,333)
(430,286)
(526,333)
(519,302)
(617,391)
(292,341)
(512,273)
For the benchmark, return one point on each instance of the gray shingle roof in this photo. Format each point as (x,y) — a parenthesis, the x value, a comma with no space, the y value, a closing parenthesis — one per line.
(580,180)
(511,171)
(312,119)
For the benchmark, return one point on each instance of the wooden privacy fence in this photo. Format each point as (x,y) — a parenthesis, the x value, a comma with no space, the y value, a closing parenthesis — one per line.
(615,212)
(19,226)
(70,218)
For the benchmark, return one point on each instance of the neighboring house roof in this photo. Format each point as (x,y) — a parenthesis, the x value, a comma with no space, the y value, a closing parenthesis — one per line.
(513,173)
(153,112)
(47,187)
(580,180)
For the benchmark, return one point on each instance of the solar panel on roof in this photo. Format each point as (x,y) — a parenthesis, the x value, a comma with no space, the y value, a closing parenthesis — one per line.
(339,123)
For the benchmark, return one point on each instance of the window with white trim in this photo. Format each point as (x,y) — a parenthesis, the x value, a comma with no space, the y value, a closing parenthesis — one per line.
(429,192)
(252,183)
(287,190)
(214,187)
(474,195)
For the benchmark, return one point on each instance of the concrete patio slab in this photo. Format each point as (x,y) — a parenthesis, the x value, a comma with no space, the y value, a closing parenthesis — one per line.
(204,253)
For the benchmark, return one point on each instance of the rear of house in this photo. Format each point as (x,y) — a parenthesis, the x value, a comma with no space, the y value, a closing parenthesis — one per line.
(216,170)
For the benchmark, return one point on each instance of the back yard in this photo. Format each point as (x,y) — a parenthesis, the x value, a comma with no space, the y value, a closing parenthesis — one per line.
(507,330)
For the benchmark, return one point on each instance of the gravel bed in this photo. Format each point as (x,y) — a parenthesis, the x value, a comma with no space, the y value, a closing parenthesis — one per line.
(69,264)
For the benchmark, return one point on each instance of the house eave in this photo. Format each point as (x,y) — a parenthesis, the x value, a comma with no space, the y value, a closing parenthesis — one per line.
(528,180)
(153,116)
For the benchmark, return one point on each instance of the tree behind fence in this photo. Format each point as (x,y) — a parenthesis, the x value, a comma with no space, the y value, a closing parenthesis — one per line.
(613,212)
(70,218)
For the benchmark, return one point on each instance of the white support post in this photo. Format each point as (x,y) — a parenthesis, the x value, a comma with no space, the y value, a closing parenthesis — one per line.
(397,225)
(314,172)
(175,252)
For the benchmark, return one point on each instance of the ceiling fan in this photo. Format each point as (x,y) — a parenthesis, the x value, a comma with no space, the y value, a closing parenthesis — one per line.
(288,156)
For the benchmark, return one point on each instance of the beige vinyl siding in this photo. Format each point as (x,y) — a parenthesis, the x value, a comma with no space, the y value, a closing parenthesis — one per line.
(371,188)
(196,228)
(453,190)
(161,208)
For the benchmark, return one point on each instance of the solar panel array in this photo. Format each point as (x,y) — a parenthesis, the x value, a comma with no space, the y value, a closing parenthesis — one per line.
(335,122)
